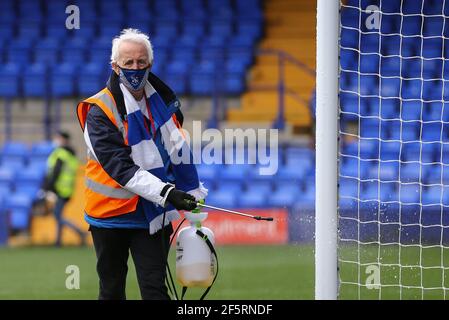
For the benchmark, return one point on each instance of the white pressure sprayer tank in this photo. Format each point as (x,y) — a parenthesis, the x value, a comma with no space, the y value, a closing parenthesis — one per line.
(195,263)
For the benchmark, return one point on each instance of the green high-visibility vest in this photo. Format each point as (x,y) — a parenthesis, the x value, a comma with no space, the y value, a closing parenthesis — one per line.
(65,183)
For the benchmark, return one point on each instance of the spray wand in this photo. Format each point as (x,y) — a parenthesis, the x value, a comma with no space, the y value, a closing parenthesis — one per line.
(201,203)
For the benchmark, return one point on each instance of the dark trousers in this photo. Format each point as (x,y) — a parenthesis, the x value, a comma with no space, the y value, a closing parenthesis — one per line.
(61,222)
(149,253)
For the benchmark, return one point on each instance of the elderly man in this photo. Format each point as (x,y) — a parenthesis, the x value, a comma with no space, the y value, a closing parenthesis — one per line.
(133,186)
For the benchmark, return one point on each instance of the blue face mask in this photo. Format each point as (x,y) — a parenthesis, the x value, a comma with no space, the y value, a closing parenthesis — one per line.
(134,79)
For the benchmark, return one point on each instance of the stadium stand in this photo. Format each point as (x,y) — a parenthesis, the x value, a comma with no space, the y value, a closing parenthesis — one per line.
(201,48)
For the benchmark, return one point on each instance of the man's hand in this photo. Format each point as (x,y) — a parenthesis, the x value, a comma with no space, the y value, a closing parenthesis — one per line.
(179,199)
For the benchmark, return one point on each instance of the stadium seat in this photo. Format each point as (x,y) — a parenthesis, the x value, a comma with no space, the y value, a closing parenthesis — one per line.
(7,176)
(253,199)
(16,152)
(47,50)
(307,198)
(9,80)
(233,172)
(223,199)
(92,78)
(62,80)
(409,193)
(19,207)
(34,81)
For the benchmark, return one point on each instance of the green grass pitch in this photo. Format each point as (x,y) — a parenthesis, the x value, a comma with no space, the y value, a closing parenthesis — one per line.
(246,272)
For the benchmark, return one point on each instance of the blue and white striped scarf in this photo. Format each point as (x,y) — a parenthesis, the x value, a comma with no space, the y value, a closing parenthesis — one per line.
(155,154)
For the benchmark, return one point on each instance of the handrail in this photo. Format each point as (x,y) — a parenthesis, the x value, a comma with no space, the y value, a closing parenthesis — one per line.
(287,56)
(281,86)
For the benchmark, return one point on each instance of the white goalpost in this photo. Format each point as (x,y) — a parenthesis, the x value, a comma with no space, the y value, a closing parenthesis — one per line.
(326,149)
(382,149)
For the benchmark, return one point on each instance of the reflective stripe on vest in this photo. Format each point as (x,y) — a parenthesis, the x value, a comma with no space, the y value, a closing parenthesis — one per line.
(108,191)
(105,101)
(104,196)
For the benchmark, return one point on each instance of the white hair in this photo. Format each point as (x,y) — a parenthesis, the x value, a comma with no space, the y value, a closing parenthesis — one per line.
(132,35)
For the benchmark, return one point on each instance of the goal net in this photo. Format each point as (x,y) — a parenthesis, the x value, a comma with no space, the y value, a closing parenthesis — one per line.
(393,204)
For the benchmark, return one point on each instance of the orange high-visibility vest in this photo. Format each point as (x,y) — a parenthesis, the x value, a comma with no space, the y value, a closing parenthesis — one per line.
(104,196)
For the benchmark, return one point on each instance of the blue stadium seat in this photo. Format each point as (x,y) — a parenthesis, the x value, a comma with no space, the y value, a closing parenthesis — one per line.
(35,81)
(41,149)
(282,199)
(19,51)
(30,29)
(73,51)
(369,128)
(263,187)
(14,152)
(349,188)
(411,25)
(412,89)
(409,193)
(6,177)
(389,87)
(385,171)
(242,54)
(221,28)
(391,45)
(411,110)
(9,80)
(390,150)
(307,198)
(101,51)
(432,90)
(92,78)
(384,108)
(432,111)
(348,58)
(434,195)
(136,6)
(53,22)
(369,63)
(187,42)
(208,172)
(233,172)
(108,30)
(233,83)
(370,43)
(350,107)
(413,172)
(47,51)
(241,40)
(253,199)
(30,176)
(291,173)
(285,186)
(203,80)
(193,27)
(417,151)
(87,30)
(431,132)
(19,207)
(222,198)
(176,76)
(390,66)
(353,167)
(62,80)
(292,159)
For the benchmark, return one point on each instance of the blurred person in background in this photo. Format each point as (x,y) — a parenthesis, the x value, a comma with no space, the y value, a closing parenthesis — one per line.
(133,188)
(62,166)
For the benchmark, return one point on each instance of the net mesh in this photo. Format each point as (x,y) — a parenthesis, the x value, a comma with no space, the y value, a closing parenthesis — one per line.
(394,150)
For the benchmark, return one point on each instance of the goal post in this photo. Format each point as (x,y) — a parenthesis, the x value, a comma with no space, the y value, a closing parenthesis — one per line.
(326,277)
(382,149)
